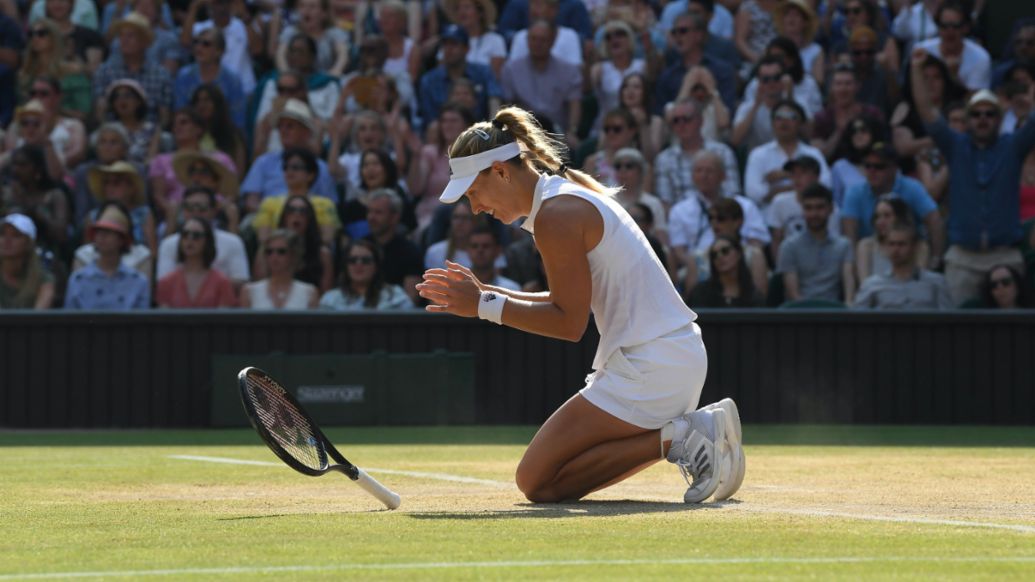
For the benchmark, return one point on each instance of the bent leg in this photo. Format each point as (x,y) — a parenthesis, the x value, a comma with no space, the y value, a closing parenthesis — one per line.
(581,449)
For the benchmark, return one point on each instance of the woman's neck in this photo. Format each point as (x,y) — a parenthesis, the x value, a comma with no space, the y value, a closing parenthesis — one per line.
(193,264)
(729,281)
(109,262)
(132,123)
(297,191)
(359,289)
(282,279)
(12,268)
(622,61)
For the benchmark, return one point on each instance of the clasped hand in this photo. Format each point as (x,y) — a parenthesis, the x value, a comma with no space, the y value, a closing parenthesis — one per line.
(454,290)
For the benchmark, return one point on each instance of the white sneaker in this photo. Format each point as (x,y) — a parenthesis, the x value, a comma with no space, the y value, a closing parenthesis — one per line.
(699,456)
(735,465)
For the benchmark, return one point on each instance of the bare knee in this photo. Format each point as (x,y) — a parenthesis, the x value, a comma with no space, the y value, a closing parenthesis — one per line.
(534,485)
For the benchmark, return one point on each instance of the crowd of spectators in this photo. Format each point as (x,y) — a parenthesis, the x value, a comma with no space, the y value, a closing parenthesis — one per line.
(289,154)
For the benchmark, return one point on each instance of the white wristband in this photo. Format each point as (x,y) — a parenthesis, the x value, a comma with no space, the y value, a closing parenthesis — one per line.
(490,306)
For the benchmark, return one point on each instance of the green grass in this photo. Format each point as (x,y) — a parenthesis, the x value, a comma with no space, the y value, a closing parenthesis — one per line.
(819,502)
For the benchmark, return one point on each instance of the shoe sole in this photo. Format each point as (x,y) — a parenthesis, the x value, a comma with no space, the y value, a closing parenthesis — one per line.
(738,462)
(717,455)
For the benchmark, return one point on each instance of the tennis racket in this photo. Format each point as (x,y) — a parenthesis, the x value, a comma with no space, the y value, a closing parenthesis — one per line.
(294,437)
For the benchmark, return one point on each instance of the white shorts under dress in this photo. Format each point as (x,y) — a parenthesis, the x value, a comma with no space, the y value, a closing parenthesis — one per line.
(652,383)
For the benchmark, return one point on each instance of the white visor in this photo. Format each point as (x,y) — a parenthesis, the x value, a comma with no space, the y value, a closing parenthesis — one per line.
(463,171)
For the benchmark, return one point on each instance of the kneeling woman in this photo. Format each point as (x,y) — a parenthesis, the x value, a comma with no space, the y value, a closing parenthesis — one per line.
(639,404)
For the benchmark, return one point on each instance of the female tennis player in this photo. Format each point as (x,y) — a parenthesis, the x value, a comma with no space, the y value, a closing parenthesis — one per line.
(638,405)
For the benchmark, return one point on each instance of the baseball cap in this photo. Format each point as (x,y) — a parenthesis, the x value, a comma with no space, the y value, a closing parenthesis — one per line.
(983,96)
(804,162)
(884,150)
(21,223)
(454,32)
(463,171)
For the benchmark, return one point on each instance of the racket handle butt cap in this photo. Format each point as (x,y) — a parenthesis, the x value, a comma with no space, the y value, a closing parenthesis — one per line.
(387,496)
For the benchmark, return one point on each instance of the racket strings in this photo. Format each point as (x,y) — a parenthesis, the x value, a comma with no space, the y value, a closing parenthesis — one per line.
(288,427)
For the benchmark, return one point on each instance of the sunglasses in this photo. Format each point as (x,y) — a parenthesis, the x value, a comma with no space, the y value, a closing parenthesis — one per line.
(986,113)
(680,31)
(192,234)
(872,166)
(295,209)
(203,42)
(997,283)
(39,33)
(721,251)
(199,170)
(40,93)
(768,78)
(614,128)
(951,25)
(295,168)
(681,119)
(196,207)
(627,166)
(276,251)
(360,260)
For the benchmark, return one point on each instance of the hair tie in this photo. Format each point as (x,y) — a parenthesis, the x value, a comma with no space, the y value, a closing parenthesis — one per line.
(561,170)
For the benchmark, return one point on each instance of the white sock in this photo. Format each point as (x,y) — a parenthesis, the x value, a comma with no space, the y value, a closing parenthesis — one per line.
(675,431)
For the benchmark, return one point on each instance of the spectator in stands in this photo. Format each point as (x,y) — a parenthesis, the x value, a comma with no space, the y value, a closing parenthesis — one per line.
(314,21)
(764,176)
(239,44)
(689,36)
(478,19)
(730,283)
(1004,288)
(33,193)
(403,263)
(856,141)
(230,259)
(916,23)
(24,282)
(166,187)
(266,176)
(211,171)
(785,216)
(755,28)
(454,247)
(878,85)
(568,44)
(797,21)
(546,84)
(363,285)
(378,170)
(320,91)
(803,87)
(691,221)
(859,15)
(884,179)
(484,250)
(752,123)
(634,96)
(1023,45)
(165,48)
(699,87)
(630,170)
(106,282)
(905,286)
(813,264)
(121,182)
(872,252)
(968,62)
(45,58)
(517,14)
(392,21)
(301,168)
(154,82)
(221,133)
(726,218)
(350,138)
(68,134)
(984,175)
(619,131)
(435,84)
(619,61)
(128,107)
(371,86)
(195,284)
(281,290)
(831,123)
(83,45)
(32,126)
(110,144)
(673,171)
(208,48)
(317,266)
(908,130)
(429,172)
(718,17)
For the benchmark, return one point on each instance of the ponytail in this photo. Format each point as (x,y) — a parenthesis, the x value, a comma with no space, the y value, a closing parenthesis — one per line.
(543,151)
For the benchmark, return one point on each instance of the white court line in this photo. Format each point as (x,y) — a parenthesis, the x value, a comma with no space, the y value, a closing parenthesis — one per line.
(512,564)
(805,511)
(419,474)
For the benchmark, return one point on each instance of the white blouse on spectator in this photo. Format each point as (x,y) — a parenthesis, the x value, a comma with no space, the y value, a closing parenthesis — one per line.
(975,64)
(567,47)
(236,58)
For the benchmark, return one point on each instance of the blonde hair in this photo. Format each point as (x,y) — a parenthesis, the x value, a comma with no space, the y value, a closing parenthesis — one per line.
(542,151)
(31,277)
(53,64)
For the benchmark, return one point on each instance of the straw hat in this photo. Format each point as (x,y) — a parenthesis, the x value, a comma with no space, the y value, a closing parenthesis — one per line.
(811,21)
(487,8)
(298,111)
(130,84)
(227,180)
(135,20)
(33,107)
(112,219)
(98,173)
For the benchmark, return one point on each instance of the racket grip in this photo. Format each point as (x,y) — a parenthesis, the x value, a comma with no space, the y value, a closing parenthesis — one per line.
(387,496)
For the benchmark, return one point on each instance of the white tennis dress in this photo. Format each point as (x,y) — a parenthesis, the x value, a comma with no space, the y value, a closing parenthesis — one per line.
(651,363)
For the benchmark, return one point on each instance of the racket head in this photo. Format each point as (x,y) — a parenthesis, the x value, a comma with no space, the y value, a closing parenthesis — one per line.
(282,423)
